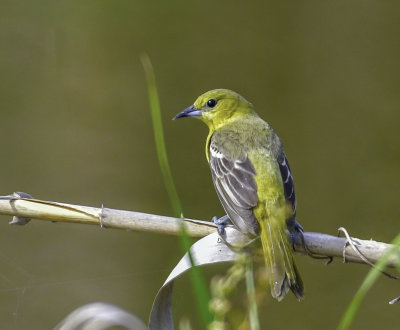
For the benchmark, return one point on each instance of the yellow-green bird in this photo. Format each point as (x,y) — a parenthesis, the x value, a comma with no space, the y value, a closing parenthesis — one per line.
(253,180)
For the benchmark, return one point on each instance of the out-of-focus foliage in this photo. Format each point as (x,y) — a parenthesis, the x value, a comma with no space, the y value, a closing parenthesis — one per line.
(75,127)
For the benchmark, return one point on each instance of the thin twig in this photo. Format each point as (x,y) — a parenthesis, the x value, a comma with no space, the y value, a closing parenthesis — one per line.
(365,259)
(360,254)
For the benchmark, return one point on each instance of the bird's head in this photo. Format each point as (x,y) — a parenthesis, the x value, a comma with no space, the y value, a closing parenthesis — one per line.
(217,107)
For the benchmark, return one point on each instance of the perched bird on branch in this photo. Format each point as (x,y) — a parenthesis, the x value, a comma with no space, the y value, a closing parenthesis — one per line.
(252,177)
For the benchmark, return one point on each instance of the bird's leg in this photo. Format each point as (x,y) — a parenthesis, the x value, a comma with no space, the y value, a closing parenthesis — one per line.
(297,229)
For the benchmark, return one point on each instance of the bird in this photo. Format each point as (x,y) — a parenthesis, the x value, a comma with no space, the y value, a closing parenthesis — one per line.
(253,180)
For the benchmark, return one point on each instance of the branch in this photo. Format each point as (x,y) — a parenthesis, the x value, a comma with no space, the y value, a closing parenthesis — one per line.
(24,208)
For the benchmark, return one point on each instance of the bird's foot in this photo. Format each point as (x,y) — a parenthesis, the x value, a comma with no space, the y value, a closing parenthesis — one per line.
(221,223)
(13,197)
(295,230)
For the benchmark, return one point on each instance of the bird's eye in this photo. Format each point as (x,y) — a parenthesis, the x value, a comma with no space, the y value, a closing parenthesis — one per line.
(211,103)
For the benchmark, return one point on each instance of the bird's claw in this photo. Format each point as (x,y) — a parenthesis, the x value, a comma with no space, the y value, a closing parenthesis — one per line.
(20,221)
(296,230)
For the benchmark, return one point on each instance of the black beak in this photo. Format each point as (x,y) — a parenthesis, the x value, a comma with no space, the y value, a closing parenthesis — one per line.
(188,112)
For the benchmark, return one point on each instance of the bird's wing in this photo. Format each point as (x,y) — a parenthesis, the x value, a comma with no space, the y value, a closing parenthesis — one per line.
(287,180)
(236,188)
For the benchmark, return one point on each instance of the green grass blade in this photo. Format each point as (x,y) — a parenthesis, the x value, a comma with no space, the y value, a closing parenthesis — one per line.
(251,296)
(368,282)
(197,278)
(159,137)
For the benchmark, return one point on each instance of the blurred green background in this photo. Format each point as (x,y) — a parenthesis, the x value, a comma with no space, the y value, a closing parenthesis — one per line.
(75,127)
